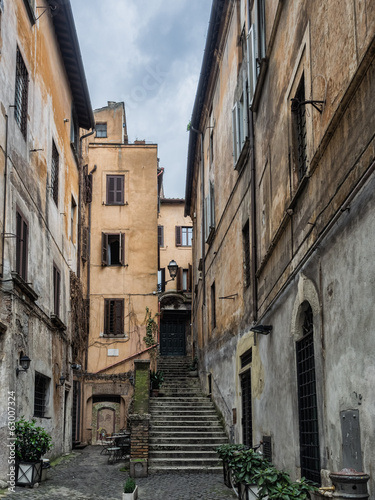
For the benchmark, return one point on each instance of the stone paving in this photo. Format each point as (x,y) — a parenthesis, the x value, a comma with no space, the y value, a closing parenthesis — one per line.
(86,475)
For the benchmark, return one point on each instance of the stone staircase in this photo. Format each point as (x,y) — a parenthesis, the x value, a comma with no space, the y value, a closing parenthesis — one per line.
(185,429)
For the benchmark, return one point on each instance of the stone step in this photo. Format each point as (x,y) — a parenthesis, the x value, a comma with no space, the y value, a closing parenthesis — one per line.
(186,454)
(186,462)
(175,438)
(153,469)
(158,413)
(179,433)
(184,419)
(186,445)
(177,400)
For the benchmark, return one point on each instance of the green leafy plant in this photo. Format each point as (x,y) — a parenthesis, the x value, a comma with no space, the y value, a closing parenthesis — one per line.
(31,442)
(227,451)
(300,490)
(150,338)
(156,379)
(246,465)
(129,486)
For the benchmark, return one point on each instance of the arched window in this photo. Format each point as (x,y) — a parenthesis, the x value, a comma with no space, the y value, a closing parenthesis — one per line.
(307,400)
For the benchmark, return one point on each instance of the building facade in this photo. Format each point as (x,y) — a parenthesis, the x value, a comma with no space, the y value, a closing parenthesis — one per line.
(280,188)
(175,232)
(44,102)
(121,243)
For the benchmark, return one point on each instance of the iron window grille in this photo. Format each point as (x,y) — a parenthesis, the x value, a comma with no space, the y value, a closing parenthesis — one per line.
(267,448)
(55,174)
(114,317)
(300,117)
(246,358)
(247,418)
(115,189)
(307,401)
(21,94)
(40,395)
(22,232)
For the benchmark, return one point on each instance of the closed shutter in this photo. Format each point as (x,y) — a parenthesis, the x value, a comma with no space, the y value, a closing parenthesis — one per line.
(178,236)
(110,189)
(119,186)
(104,249)
(56,290)
(118,323)
(161,236)
(190,278)
(179,279)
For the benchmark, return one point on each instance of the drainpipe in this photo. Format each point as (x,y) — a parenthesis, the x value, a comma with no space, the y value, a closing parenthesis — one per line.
(80,201)
(5,196)
(253,221)
(203,217)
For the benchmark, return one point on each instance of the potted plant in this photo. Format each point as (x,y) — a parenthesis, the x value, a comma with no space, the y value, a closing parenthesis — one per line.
(226,453)
(130,490)
(156,381)
(31,443)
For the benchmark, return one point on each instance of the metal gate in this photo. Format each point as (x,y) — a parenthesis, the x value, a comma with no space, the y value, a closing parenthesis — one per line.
(307,402)
(247,421)
(172,336)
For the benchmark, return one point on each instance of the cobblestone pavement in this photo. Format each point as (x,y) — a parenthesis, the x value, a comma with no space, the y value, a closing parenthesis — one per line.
(86,475)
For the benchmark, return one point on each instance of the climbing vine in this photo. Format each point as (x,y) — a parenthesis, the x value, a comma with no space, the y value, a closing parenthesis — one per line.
(152,328)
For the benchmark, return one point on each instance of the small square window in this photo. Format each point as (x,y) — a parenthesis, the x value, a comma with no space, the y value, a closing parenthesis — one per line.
(101,130)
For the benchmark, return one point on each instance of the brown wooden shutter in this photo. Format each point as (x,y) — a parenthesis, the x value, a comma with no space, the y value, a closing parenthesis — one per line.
(180,279)
(106,316)
(178,236)
(18,242)
(161,236)
(25,243)
(190,278)
(119,188)
(110,189)
(118,320)
(56,290)
(122,249)
(104,249)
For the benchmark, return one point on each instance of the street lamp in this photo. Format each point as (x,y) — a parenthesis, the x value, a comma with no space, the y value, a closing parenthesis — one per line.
(172,268)
(25,363)
(62,381)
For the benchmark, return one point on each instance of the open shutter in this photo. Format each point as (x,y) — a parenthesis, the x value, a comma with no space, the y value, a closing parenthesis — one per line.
(251,63)
(235,135)
(18,242)
(56,290)
(245,108)
(179,279)
(161,236)
(122,249)
(104,249)
(190,278)
(178,236)
(25,242)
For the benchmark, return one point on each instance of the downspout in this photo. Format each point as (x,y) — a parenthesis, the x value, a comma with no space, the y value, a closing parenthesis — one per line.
(80,201)
(5,196)
(88,270)
(203,218)
(253,221)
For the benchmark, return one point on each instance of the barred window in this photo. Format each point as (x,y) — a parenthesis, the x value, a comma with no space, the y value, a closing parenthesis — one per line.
(55,174)
(21,94)
(40,395)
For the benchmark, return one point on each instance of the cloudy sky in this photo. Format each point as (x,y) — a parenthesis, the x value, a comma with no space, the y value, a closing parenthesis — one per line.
(147,53)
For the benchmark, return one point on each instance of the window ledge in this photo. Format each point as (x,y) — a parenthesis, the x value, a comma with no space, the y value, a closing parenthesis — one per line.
(243,156)
(115,204)
(24,287)
(301,186)
(57,322)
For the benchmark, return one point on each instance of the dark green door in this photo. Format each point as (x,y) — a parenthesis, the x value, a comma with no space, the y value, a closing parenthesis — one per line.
(172,337)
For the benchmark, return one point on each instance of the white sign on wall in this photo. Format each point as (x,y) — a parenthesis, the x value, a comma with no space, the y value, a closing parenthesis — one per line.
(112,352)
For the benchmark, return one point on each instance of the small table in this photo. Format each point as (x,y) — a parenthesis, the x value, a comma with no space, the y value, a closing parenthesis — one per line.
(114,454)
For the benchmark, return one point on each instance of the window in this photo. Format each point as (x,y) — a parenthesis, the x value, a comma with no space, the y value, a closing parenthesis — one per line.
(307,401)
(101,130)
(184,279)
(73,215)
(184,236)
(246,254)
(115,189)
(161,236)
(213,306)
(21,94)
(41,395)
(240,122)
(161,280)
(113,249)
(55,174)
(299,118)
(56,290)
(256,44)
(22,241)
(246,403)
(74,131)
(209,206)
(113,317)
